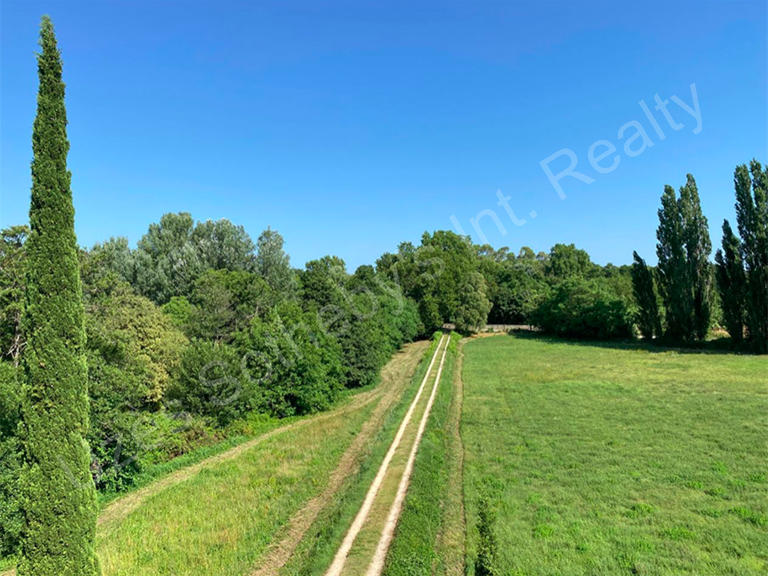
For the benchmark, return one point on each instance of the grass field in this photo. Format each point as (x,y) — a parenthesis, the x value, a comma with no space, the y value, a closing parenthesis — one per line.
(589,459)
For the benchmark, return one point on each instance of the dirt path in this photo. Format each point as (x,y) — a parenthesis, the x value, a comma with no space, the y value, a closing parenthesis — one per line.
(341,555)
(380,555)
(452,538)
(394,380)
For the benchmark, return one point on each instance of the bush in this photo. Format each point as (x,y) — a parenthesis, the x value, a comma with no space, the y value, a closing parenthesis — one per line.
(11,521)
(294,363)
(209,382)
(579,308)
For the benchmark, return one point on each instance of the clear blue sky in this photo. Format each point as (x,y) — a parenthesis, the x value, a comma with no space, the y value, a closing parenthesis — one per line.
(351,126)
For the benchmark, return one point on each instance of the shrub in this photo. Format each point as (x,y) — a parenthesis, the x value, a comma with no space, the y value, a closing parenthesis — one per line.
(294,363)
(209,382)
(579,308)
(11,521)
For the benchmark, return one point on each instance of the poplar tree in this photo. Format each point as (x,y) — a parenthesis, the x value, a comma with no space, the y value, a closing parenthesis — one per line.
(698,247)
(685,275)
(752,218)
(648,319)
(59,501)
(672,268)
(731,282)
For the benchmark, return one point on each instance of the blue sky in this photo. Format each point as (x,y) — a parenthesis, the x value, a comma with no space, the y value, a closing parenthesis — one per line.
(352,126)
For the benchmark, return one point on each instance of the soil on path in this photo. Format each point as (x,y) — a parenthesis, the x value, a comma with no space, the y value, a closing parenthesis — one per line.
(394,380)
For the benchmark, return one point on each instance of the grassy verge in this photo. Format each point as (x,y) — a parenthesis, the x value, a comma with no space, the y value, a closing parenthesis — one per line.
(236,434)
(590,459)
(315,552)
(219,521)
(417,548)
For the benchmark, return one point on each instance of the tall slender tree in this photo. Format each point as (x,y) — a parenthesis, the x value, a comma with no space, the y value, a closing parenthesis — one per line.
(672,267)
(698,247)
(752,218)
(648,318)
(731,282)
(60,500)
(685,274)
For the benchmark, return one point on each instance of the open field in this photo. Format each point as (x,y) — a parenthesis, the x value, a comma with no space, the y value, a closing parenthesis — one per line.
(591,459)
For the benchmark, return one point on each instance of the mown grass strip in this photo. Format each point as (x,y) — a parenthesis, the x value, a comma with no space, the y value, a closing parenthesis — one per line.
(316,551)
(416,548)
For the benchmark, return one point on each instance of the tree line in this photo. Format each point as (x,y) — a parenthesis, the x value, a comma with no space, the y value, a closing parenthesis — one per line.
(686,294)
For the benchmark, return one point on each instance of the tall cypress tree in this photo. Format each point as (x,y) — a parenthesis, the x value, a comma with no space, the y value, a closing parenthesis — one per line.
(752,217)
(60,499)
(648,318)
(731,283)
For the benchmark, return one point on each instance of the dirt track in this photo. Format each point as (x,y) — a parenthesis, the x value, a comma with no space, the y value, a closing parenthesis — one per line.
(394,380)
(367,541)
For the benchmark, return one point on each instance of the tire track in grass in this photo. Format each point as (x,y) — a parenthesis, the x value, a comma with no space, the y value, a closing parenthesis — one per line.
(395,379)
(341,555)
(376,566)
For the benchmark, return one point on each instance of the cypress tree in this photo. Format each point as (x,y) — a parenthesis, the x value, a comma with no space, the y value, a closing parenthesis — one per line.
(731,283)
(752,218)
(60,500)
(648,319)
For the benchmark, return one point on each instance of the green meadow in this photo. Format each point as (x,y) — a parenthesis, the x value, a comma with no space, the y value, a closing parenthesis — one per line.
(611,459)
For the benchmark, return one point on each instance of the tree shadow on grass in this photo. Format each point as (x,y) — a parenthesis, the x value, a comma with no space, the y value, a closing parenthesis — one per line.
(716,346)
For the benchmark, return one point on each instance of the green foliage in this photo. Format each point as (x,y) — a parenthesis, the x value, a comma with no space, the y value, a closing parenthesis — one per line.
(174,253)
(295,363)
(224,301)
(698,248)
(473,306)
(12,262)
(578,308)
(435,276)
(648,319)
(752,218)
(685,275)
(179,310)
(273,264)
(115,255)
(11,518)
(515,286)
(132,334)
(567,261)
(517,295)
(210,382)
(732,283)
(59,499)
